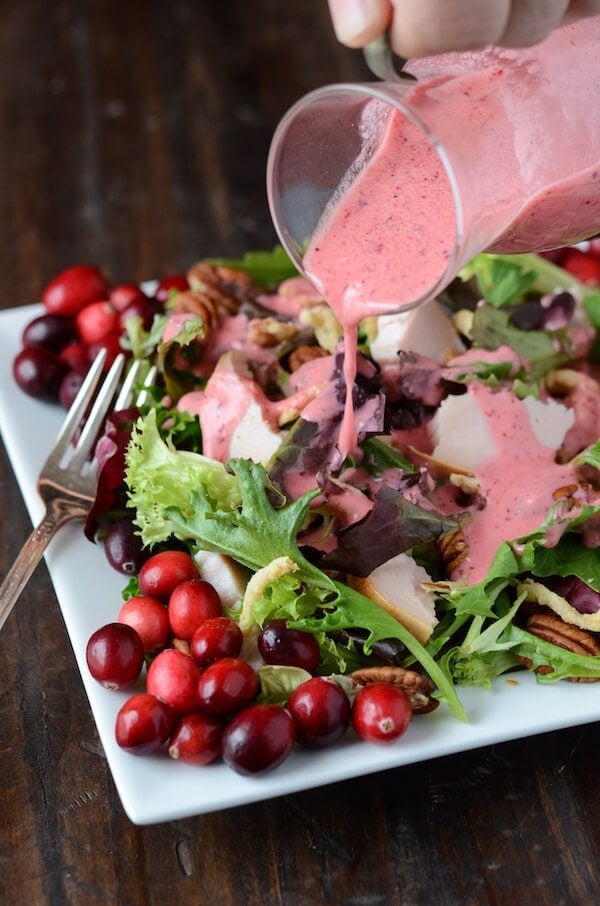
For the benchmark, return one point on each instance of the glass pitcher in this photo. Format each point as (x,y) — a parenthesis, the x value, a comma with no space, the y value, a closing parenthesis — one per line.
(381,192)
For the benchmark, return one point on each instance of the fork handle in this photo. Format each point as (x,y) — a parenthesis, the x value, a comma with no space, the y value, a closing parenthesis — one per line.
(20,572)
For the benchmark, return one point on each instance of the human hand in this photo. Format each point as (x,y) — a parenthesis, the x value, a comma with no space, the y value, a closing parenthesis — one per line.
(420,28)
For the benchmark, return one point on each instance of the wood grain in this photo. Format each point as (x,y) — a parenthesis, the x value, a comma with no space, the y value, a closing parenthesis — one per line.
(134,135)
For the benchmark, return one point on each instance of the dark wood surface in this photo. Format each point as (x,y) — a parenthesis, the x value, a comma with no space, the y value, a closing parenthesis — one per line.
(134,135)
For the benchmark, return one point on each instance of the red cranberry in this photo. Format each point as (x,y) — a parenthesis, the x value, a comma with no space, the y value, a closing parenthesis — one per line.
(115,656)
(258,738)
(162,572)
(216,638)
(172,283)
(74,288)
(76,357)
(96,321)
(149,618)
(39,372)
(173,677)
(52,332)
(321,712)
(291,647)
(111,344)
(196,739)
(227,686)
(381,712)
(123,295)
(191,603)
(69,388)
(144,724)
(123,547)
(143,308)
(585,267)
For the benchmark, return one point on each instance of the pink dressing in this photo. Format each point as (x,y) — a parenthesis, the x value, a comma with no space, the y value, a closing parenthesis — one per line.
(292,296)
(230,390)
(390,235)
(223,404)
(372,252)
(174,324)
(517,482)
(315,372)
(492,356)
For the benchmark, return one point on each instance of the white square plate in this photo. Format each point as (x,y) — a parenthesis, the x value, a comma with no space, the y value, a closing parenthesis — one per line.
(157,788)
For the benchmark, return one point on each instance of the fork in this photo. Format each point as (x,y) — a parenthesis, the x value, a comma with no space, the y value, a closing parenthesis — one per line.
(67,482)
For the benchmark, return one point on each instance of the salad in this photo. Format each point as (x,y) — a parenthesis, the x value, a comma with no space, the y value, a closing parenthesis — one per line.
(460,539)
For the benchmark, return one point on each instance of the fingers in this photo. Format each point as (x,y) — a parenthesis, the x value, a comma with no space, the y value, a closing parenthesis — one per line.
(423,27)
(356,22)
(581,9)
(530,21)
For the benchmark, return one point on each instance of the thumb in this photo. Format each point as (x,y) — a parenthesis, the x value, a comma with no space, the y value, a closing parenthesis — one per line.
(356,22)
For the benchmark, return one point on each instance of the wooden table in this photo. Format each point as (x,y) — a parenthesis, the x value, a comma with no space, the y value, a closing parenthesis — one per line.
(134,135)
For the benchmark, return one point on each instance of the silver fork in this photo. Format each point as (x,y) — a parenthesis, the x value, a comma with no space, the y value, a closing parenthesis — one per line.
(67,481)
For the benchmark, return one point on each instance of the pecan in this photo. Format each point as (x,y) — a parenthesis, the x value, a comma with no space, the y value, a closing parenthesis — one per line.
(303,354)
(197,303)
(550,628)
(565,492)
(453,548)
(416,686)
(225,285)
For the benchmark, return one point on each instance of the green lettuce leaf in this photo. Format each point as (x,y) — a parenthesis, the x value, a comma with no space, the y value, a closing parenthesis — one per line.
(590,456)
(568,558)
(591,304)
(543,350)
(565,663)
(143,343)
(378,456)
(548,277)
(160,478)
(277,682)
(183,344)
(501,281)
(481,668)
(265,268)
(480,599)
(529,546)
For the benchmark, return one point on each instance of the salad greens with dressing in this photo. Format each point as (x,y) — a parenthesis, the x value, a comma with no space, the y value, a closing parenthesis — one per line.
(303,525)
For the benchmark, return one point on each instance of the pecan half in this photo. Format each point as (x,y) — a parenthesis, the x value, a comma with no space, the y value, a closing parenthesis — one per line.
(416,686)
(550,628)
(566,490)
(197,303)
(226,286)
(453,548)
